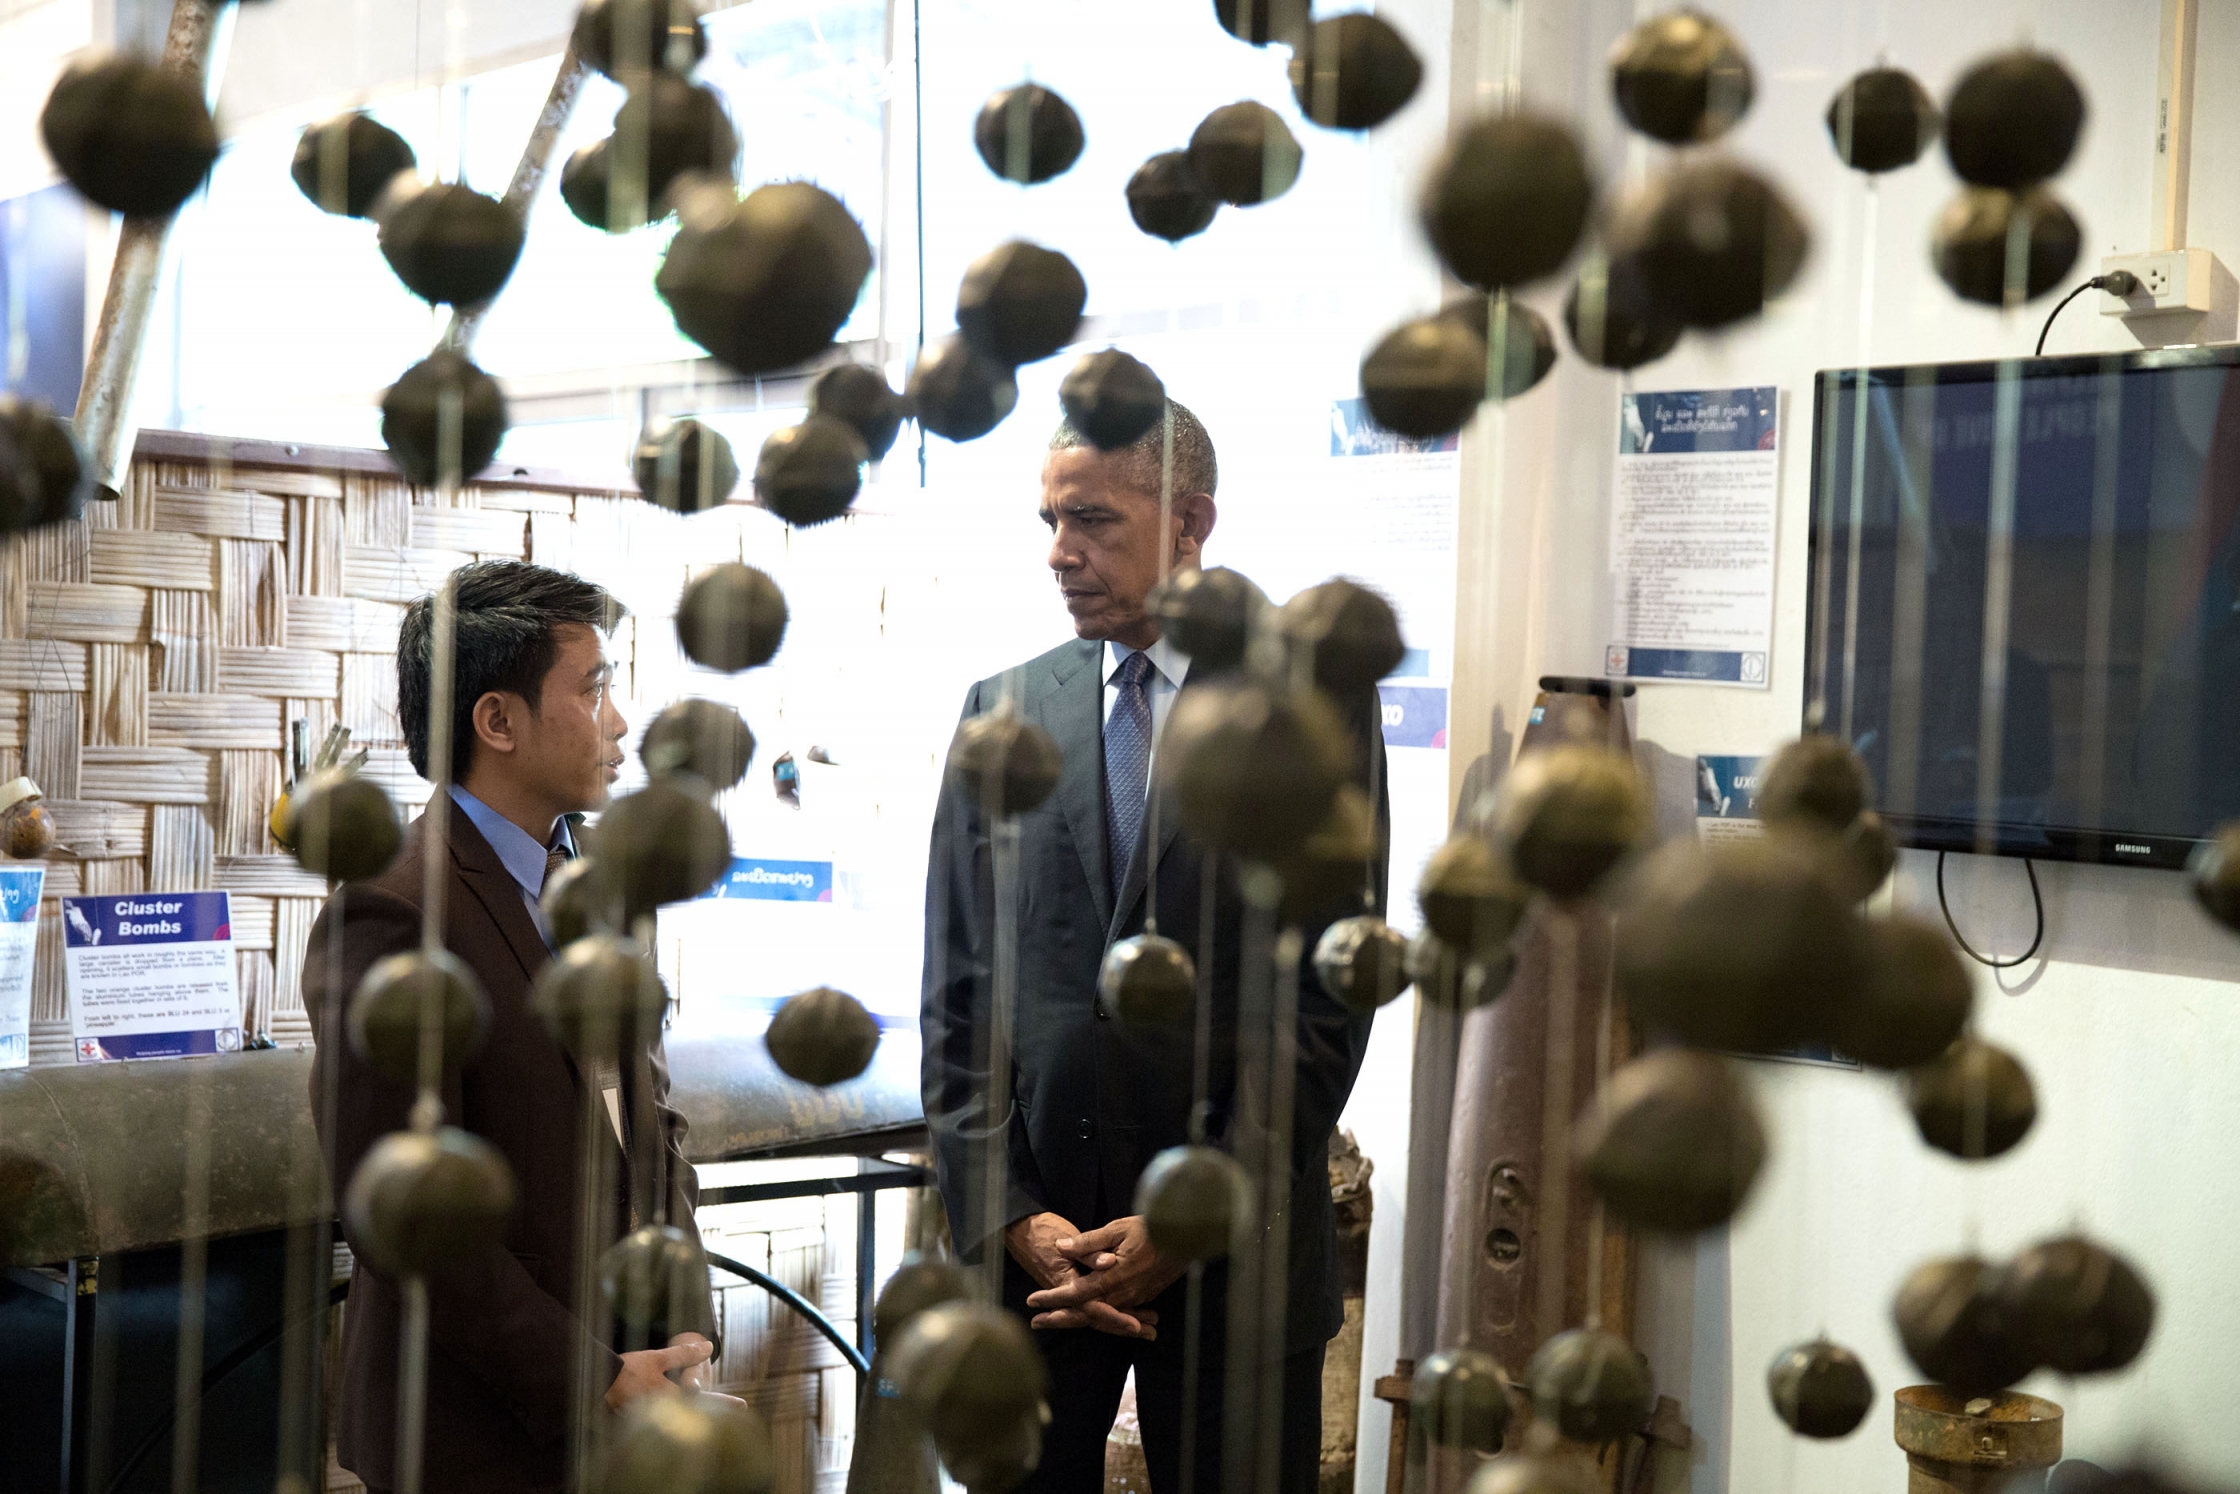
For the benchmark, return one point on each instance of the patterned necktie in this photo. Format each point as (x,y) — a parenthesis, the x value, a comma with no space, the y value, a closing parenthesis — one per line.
(1127,762)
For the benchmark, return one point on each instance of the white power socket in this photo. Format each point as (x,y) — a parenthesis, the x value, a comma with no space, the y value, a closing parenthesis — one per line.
(2172,282)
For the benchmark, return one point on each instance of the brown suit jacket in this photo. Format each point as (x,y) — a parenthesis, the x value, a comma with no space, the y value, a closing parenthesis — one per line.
(504,1337)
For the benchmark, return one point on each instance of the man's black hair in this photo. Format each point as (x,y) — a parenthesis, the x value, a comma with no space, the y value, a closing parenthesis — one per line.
(507,611)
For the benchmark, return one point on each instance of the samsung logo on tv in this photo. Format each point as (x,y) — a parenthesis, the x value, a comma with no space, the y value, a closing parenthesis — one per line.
(2133,850)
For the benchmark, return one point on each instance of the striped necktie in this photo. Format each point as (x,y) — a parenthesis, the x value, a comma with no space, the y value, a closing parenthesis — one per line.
(1127,764)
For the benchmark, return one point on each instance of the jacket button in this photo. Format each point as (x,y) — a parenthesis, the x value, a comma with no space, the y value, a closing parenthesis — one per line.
(1086,1129)
(1103,1015)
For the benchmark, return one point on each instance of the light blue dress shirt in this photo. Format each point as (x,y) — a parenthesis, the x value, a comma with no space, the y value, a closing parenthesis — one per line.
(517,849)
(1169,667)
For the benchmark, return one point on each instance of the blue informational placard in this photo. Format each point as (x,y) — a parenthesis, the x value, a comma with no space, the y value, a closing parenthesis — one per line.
(20,886)
(775,881)
(1727,788)
(1686,421)
(1354,432)
(1414,715)
(151,975)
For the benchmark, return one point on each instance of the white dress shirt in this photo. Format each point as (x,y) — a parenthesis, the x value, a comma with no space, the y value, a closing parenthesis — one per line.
(1169,666)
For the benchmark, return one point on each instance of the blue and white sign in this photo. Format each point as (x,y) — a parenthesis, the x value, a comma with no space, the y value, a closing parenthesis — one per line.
(775,881)
(1727,796)
(1414,715)
(1692,537)
(20,886)
(151,975)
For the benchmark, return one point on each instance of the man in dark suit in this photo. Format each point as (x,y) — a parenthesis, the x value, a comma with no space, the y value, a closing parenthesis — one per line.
(536,740)
(1096,1100)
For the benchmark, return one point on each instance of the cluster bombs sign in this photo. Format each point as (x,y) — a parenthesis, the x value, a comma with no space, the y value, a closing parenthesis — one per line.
(151,975)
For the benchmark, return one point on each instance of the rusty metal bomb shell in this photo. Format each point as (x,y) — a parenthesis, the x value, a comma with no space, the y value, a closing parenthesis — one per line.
(861,397)
(1425,378)
(43,476)
(1820,1389)
(1262,21)
(822,1037)
(1167,200)
(665,844)
(1508,201)
(1253,769)
(1973,245)
(1244,154)
(969,1371)
(652,1275)
(1715,241)
(1520,346)
(449,243)
(1528,1473)
(1681,77)
(1003,762)
(1027,134)
(683,465)
(1593,1387)
(1362,962)
(703,738)
(26,830)
(131,136)
(1353,72)
(617,37)
(2214,873)
(1020,303)
(1460,1398)
(1741,946)
(342,826)
(688,1444)
(1973,1100)
(1112,398)
(343,163)
(762,283)
(1613,321)
(1915,1000)
(1882,120)
(1470,896)
(1209,614)
(387,1008)
(418,414)
(2078,1307)
(580,899)
(1351,632)
(1195,1201)
(1818,779)
(919,1282)
(1674,1142)
(958,394)
(2012,120)
(810,473)
(600,997)
(1949,1321)
(1567,814)
(731,617)
(420,1201)
(1453,983)
(1147,980)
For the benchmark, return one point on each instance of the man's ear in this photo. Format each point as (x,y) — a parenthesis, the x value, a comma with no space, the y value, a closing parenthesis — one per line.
(1195,516)
(497,720)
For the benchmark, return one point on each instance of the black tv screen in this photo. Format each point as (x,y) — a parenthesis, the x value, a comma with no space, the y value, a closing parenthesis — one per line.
(2025,599)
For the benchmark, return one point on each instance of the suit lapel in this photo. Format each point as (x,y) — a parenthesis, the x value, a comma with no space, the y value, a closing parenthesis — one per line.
(1073,713)
(486,877)
(1169,828)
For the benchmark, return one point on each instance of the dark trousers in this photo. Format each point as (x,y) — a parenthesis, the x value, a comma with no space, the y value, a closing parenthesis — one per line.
(1089,1369)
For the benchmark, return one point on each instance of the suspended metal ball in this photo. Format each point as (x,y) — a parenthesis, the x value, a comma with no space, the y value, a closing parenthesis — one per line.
(1354,72)
(1863,857)
(666,129)
(1742,946)
(1460,1398)
(1673,1143)
(585,179)
(1915,1000)
(1112,399)
(683,465)
(1817,779)
(1974,1100)
(1147,980)
(653,1277)
(392,1001)
(1027,134)
(1520,347)
(1681,78)
(1882,120)
(1243,153)
(1820,1389)
(443,419)
(702,738)
(861,398)
(665,843)
(1568,814)
(43,476)
(810,473)
(1425,378)
(1020,303)
(1715,241)
(1529,1473)
(1195,1202)
(1167,200)
(448,243)
(765,283)
(1612,320)
(342,826)
(1508,201)
(1351,634)
(688,1444)
(26,827)
(620,37)
(731,617)
(1452,982)
(2214,872)
(999,1465)
(1209,614)
(1979,233)
(421,1201)
(1470,896)
(580,899)
(1593,1387)
(1253,770)
(822,1037)
(2078,1307)
(1362,962)
(1262,21)
(1330,868)
(1003,762)
(600,997)
(2012,120)
(342,164)
(134,137)
(1948,1318)
(971,1374)
(920,1282)
(957,393)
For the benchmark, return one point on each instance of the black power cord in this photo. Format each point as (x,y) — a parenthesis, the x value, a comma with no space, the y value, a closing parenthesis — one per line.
(2037,902)
(2118,283)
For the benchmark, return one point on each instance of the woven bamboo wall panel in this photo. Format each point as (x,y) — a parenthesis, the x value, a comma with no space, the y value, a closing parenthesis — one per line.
(42,664)
(389,767)
(369,699)
(117,695)
(248,786)
(385,575)
(53,735)
(287,672)
(95,829)
(317,536)
(12,710)
(343,624)
(112,878)
(483,531)
(182,848)
(526,500)
(252,920)
(376,512)
(271,875)
(252,595)
(88,612)
(287,482)
(151,557)
(144,775)
(184,629)
(186,719)
(220,515)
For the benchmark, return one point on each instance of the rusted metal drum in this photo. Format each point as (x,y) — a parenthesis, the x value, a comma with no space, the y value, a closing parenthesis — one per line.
(1959,1446)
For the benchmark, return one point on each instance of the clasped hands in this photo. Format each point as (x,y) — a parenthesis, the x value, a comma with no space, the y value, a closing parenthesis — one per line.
(681,1366)
(1099,1278)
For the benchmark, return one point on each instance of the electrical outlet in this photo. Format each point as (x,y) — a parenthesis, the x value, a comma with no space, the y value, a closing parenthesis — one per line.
(2172,282)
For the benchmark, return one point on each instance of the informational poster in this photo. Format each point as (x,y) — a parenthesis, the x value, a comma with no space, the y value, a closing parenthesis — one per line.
(775,881)
(1692,537)
(151,975)
(20,887)
(1727,797)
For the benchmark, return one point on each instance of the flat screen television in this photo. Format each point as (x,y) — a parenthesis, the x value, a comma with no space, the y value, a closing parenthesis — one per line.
(2024,604)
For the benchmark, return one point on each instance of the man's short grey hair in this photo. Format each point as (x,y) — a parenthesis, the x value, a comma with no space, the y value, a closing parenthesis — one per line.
(1144,460)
